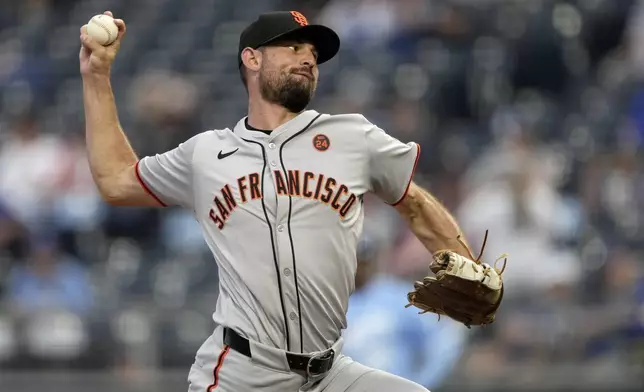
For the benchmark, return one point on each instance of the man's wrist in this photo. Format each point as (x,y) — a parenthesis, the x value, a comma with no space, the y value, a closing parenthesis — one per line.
(96,79)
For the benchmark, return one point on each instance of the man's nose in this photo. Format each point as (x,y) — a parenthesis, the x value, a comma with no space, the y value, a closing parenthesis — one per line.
(308,61)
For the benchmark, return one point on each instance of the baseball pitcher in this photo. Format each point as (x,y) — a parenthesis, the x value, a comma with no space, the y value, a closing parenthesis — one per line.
(279,199)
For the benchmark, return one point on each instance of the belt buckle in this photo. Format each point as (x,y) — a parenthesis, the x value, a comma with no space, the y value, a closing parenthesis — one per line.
(327,356)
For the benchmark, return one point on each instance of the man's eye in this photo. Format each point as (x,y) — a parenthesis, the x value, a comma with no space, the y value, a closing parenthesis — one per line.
(293,47)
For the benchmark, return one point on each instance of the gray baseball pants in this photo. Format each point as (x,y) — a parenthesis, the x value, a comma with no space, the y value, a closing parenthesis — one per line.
(218,368)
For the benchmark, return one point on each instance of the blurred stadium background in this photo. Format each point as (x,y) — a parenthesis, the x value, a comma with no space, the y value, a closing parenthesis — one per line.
(530,114)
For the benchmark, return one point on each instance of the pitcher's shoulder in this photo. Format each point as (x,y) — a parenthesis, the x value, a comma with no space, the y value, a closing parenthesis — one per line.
(219,132)
(215,134)
(213,137)
(353,120)
(354,124)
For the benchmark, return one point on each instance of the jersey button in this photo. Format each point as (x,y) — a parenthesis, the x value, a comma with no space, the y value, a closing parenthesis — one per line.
(271,146)
(287,272)
(280,228)
(273,163)
(292,315)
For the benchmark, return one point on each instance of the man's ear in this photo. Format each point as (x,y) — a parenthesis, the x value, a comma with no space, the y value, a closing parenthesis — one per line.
(252,58)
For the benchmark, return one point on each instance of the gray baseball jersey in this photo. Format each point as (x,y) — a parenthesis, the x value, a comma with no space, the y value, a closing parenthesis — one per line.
(282,213)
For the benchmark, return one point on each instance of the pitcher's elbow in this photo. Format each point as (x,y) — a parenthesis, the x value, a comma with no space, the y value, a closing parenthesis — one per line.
(110,198)
(110,193)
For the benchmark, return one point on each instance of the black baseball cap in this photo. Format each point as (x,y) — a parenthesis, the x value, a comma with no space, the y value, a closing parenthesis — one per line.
(272,26)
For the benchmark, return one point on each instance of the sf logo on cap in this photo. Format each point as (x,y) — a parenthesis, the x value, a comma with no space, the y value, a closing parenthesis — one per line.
(299,18)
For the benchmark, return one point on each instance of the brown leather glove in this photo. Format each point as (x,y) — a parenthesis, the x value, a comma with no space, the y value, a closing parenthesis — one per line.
(463,289)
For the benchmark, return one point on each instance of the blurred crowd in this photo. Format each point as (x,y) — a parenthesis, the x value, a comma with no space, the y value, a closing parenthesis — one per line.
(530,115)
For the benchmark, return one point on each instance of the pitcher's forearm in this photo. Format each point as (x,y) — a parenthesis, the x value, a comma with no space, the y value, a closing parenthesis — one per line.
(431,222)
(109,150)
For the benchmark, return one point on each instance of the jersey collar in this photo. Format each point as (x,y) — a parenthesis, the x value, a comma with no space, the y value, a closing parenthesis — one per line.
(280,133)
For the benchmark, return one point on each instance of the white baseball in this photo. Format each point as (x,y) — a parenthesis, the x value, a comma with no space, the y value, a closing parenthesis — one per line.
(102,29)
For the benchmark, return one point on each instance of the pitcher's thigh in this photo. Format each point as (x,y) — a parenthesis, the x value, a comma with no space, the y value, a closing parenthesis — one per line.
(231,371)
(198,379)
(357,377)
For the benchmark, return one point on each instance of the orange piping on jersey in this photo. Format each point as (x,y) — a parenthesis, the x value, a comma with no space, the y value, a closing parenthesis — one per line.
(413,170)
(145,187)
(215,371)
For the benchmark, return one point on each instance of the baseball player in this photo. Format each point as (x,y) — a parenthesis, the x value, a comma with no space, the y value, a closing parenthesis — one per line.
(279,199)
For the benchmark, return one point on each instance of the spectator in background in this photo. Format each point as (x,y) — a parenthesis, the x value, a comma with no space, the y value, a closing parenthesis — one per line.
(511,190)
(77,210)
(623,323)
(48,280)
(361,23)
(10,230)
(383,334)
(27,159)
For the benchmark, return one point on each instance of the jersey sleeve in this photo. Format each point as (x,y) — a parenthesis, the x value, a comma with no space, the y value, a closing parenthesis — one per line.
(168,176)
(391,164)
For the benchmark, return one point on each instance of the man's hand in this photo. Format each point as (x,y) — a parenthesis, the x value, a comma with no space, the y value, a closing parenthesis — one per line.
(463,288)
(96,59)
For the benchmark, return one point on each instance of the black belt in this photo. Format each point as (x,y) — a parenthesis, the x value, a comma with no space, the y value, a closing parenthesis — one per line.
(311,364)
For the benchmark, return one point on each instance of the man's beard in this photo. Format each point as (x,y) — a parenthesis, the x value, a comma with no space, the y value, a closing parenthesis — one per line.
(287,90)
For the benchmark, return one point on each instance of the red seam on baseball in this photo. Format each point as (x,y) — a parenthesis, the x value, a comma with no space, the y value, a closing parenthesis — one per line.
(109,35)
